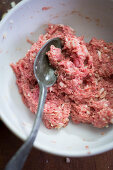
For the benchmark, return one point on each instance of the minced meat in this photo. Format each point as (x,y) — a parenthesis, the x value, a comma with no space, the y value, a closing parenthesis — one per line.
(83,91)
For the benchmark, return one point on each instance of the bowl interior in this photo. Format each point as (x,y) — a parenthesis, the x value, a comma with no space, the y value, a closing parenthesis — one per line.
(28,20)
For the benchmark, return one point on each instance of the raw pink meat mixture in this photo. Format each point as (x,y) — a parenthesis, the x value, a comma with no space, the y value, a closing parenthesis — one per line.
(84,87)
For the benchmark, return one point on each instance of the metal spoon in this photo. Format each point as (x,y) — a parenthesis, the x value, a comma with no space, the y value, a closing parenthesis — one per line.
(45,76)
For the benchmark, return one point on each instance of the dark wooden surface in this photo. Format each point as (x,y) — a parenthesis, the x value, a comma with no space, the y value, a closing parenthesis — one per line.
(39,160)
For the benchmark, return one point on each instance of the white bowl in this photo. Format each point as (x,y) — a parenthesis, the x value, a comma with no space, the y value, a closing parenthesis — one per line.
(89,18)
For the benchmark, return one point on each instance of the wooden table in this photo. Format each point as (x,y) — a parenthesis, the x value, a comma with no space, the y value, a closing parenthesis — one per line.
(39,160)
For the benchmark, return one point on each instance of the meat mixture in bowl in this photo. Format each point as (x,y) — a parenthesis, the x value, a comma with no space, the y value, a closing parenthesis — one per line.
(84,88)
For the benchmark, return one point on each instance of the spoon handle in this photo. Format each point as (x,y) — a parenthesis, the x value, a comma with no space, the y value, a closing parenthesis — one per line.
(17,161)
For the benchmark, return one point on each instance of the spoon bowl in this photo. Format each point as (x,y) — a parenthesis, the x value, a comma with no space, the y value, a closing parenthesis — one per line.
(43,71)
